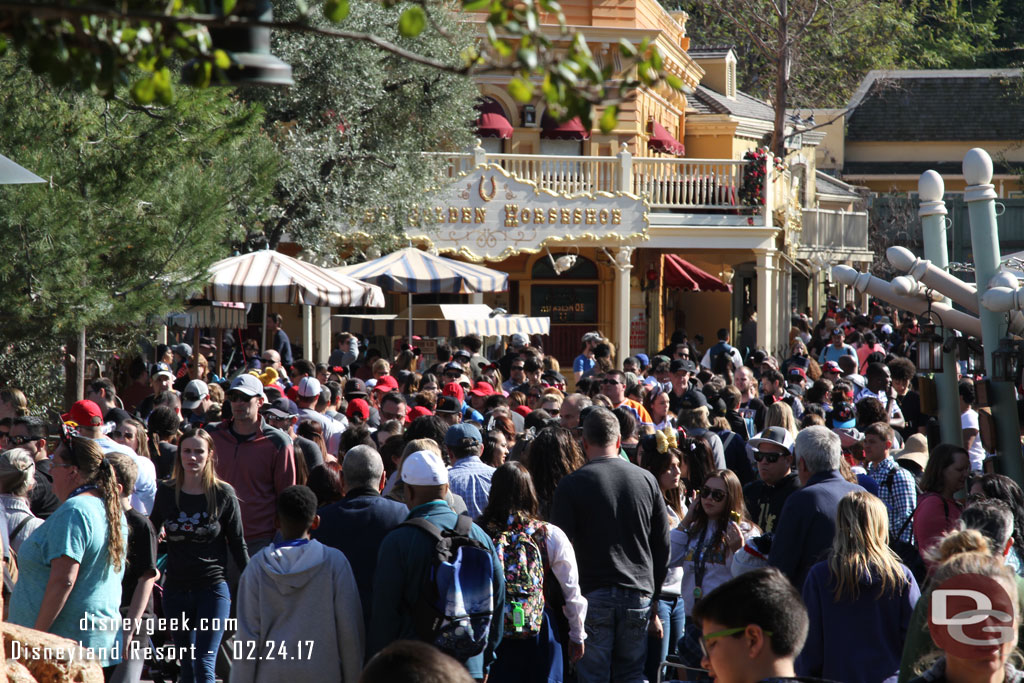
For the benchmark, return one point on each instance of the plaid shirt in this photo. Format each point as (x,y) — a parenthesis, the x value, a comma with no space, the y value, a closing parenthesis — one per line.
(897,489)
(471,479)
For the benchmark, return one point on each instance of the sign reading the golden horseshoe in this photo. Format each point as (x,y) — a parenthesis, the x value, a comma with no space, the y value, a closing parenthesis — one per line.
(487,214)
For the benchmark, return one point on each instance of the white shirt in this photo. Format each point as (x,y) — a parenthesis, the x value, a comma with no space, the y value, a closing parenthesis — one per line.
(145,482)
(969,420)
(562,559)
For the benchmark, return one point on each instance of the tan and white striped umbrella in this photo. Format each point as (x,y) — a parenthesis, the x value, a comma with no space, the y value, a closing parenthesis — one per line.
(271,277)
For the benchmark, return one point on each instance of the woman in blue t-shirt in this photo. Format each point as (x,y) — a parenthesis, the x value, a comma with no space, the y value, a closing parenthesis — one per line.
(70,568)
(200,514)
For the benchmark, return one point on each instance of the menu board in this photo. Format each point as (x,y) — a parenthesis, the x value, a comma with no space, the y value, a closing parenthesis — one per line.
(564,303)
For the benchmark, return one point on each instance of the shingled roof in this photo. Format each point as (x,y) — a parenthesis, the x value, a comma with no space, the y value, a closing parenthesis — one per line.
(977,104)
(707,101)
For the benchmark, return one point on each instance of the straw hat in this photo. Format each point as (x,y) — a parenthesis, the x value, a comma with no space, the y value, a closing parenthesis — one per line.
(916,450)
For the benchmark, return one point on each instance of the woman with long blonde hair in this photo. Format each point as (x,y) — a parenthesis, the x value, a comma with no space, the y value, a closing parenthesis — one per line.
(201,516)
(859,600)
(780,414)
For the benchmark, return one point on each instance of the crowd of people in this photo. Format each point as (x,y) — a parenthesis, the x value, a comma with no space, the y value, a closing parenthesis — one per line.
(699,512)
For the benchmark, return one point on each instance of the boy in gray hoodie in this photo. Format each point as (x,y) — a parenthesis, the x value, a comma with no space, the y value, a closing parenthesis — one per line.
(299,614)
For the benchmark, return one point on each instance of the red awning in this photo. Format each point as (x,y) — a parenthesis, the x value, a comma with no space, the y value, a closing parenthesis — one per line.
(572,129)
(681,274)
(662,141)
(492,122)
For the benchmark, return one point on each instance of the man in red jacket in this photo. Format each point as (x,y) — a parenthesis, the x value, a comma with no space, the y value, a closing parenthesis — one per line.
(255,458)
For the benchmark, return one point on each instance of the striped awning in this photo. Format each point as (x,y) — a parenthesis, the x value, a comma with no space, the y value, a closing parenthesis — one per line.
(420,272)
(219,315)
(398,326)
(274,278)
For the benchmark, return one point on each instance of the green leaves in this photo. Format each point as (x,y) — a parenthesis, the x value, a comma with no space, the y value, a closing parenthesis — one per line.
(228,6)
(609,119)
(143,91)
(336,10)
(521,89)
(412,22)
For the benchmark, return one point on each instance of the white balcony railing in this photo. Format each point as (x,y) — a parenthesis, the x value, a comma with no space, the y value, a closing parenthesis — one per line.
(689,183)
(834,229)
(667,184)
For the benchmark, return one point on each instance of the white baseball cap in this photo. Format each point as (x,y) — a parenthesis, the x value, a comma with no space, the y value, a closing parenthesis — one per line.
(424,468)
(309,387)
(194,393)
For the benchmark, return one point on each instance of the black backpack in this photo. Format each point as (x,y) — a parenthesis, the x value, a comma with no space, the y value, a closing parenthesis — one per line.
(456,602)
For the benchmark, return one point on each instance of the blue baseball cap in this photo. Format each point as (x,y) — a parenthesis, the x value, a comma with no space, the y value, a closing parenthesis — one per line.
(457,432)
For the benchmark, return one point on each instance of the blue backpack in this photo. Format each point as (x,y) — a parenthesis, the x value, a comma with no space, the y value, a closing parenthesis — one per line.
(456,602)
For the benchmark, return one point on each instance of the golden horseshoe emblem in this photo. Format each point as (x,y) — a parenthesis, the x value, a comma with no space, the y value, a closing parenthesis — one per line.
(494,190)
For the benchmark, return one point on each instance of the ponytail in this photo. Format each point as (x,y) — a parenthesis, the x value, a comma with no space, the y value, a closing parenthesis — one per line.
(106,484)
(95,469)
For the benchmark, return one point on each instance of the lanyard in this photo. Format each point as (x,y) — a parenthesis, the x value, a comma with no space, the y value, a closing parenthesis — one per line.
(700,561)
(82,489)
(292,544)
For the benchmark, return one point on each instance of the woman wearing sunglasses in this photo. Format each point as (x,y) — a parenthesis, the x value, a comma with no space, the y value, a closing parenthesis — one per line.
(70,568)
(704,544)
(862,588)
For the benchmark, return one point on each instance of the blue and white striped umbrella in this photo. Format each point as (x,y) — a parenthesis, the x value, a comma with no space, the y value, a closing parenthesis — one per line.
(416,271)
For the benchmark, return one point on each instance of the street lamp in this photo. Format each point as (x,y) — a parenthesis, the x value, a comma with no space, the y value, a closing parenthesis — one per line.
(929,344)
(1006,361)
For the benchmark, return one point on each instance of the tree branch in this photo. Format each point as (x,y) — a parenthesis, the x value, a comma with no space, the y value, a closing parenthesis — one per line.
(51,11)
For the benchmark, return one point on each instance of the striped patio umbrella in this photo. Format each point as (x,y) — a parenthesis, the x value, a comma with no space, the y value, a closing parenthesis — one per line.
(416,271)
(271,277)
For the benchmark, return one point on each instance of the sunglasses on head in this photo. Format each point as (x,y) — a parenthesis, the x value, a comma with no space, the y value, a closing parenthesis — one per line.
(769,456)
(717,495)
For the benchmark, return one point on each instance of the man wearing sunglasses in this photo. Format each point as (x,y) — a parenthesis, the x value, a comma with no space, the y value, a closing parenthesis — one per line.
(29,432)
(765,496)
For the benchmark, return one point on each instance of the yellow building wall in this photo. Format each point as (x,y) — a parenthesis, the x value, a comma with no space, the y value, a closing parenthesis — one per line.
(930,151)
(714,146)
(830,154)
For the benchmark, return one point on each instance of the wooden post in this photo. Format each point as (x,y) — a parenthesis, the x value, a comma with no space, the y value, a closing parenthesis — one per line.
(220,351)
(80,367)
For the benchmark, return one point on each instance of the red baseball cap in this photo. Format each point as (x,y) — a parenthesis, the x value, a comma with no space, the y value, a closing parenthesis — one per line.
(482,389)
(417,411)
(386,383)
(454,389)
(84,413)
(358,406)
(523,410)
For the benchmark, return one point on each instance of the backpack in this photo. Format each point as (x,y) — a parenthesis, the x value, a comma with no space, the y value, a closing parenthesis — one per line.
(11,567)
(456,602)
(521,550)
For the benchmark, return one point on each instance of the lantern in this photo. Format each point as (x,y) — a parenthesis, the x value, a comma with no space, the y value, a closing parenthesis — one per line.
(1006,361)
(929,348)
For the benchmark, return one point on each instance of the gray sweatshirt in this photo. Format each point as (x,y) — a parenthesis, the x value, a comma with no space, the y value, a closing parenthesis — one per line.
(302,602)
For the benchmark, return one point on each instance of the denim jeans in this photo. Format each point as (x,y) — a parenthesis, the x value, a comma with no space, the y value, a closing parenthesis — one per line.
(211,605)
(616,644)
(673,617)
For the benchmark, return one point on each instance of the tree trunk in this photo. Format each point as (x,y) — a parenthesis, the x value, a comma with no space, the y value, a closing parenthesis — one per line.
(783,58)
